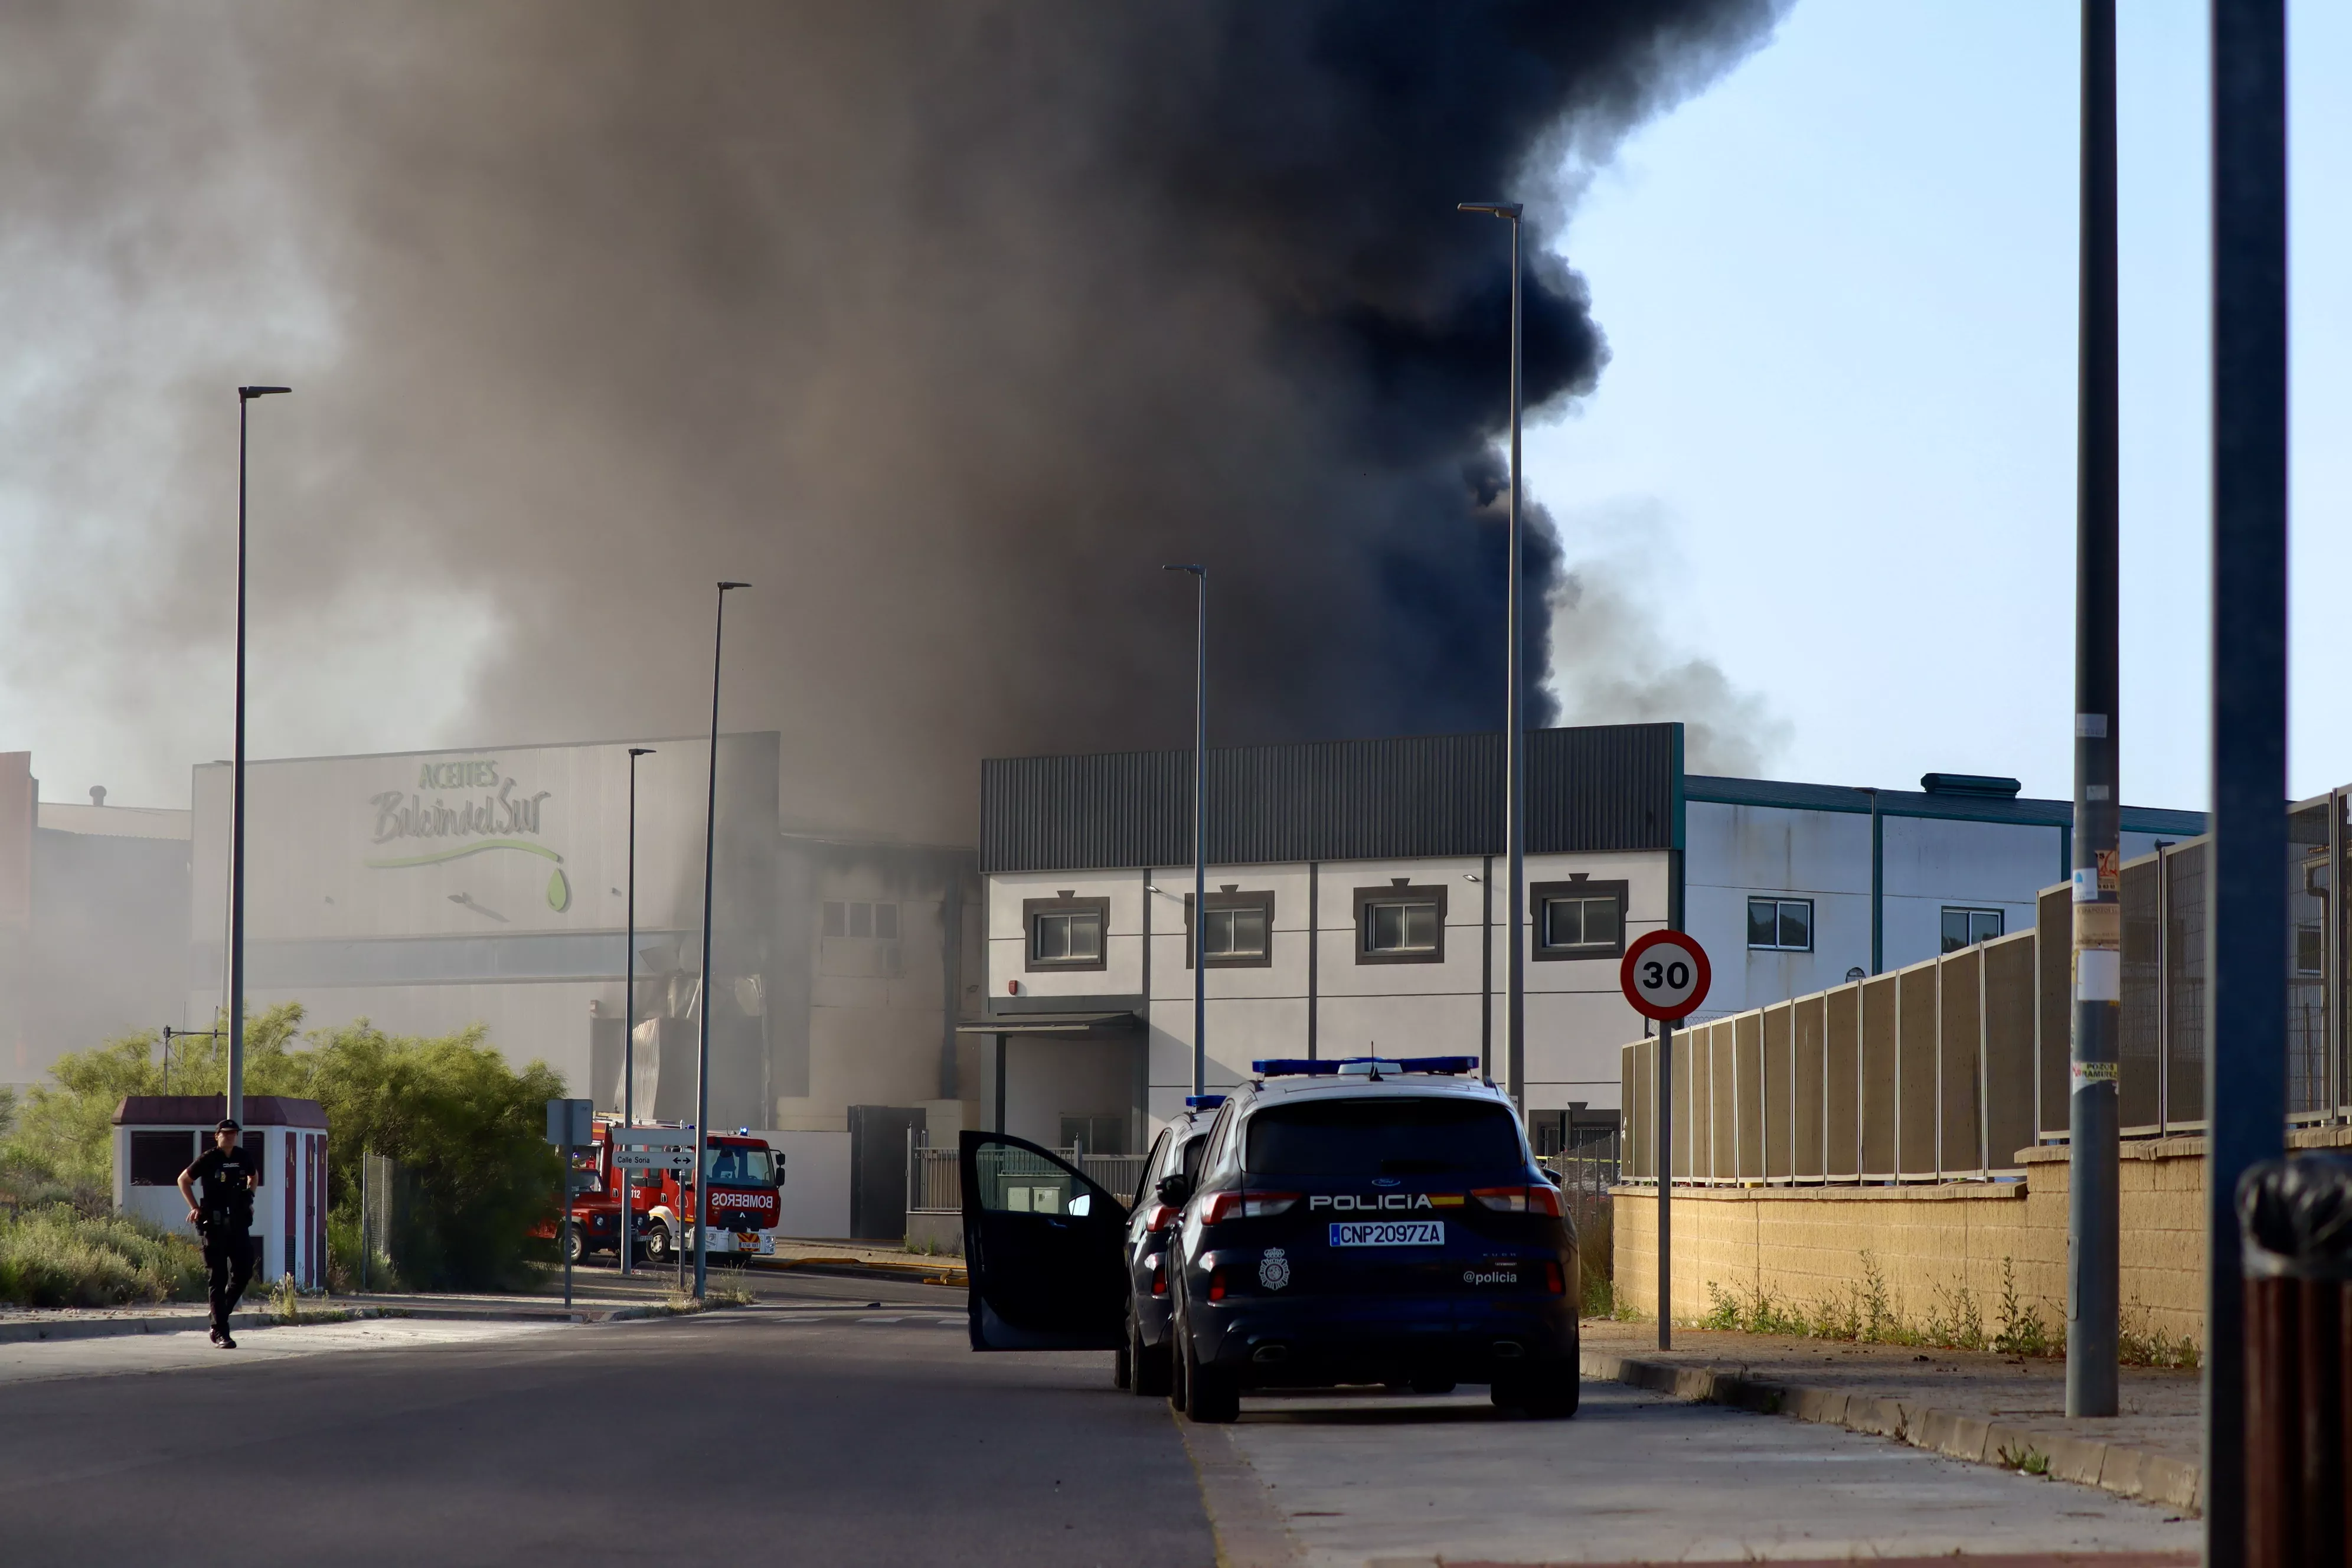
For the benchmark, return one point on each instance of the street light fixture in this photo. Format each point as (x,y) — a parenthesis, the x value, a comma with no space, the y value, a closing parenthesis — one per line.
(702,1045)
(1200,827)
(1514,739)
(629,1019)
(234,1105)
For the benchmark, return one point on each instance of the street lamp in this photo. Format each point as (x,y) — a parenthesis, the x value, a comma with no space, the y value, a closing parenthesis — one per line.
(629,1019)
(702,1046)
(1515,738)
(234,1105)
(1200,827)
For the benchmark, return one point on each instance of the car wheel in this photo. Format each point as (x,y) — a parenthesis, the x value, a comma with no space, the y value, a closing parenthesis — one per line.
(657,1243)
(1150,1362)
(1176,1361)
(1550,1394)
(1212,1395)
(575,1246)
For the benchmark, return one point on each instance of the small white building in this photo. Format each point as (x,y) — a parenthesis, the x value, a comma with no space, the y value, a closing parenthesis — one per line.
(157,1136)
(1353,907)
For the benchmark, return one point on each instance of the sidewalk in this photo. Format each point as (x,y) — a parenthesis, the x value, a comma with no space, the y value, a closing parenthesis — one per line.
(1983,1407)
(866,1258)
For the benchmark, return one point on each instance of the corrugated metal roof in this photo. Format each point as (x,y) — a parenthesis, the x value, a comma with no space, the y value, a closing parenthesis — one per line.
(1598,787)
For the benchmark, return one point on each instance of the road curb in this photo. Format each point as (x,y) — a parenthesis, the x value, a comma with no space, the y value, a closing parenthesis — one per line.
(2118,1467)
(1249,1530)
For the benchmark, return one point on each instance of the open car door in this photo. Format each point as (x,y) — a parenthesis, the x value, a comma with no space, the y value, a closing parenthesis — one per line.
(1042,1245)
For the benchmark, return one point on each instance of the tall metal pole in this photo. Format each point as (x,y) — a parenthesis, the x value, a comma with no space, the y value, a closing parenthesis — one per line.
(1515,740)
(1661,1156)
(234,1099)
(1200,828)
(2245,933)
(2093,1290)
(701,1200)
(629,1216)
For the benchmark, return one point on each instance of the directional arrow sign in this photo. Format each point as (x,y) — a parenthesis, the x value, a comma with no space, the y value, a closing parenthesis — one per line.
(1665,976)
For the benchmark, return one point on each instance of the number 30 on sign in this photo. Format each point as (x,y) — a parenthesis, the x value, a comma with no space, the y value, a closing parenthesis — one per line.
(1665,976)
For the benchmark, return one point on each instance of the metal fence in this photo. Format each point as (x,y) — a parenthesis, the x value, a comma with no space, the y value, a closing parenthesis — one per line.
(935,1180)
(1944,1070)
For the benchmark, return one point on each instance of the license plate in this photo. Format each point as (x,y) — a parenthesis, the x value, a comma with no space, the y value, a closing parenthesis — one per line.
(1388,1233)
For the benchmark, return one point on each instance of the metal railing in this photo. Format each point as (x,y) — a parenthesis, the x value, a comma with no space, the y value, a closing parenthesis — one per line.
(935,1180)
(1942,1070)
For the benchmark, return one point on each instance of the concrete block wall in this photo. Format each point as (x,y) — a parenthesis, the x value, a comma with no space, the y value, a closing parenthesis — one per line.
(1802,1245)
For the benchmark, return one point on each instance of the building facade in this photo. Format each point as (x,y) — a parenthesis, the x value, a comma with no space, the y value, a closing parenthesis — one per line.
(1353,908)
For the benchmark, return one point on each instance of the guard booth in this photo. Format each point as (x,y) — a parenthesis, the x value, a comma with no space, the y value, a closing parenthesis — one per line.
(157,1136)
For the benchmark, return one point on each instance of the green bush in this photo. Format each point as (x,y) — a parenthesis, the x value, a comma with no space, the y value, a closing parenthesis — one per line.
(54,1256)
(467,1125)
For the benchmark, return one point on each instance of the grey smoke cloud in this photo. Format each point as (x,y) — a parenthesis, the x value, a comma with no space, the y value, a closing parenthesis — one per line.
(943,325)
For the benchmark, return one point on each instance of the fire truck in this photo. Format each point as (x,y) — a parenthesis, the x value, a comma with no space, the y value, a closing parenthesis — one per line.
(741,1174)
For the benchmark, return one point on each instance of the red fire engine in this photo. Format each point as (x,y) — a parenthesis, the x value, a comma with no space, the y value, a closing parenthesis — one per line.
(742,1176)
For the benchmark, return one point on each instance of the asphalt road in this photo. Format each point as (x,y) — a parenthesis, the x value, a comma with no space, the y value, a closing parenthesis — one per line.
(817,1428)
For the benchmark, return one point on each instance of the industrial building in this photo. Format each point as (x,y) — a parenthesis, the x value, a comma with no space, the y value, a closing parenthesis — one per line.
(1353,907)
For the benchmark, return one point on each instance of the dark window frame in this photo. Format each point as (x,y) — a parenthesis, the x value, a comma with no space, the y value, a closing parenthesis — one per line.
(1032,907)
(1578,887)
(1813,923)
(1947,911)
(1217,902)
(1399,893)
(148,1145)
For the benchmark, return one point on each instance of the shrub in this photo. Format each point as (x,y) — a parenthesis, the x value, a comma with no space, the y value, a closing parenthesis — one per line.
(54,1256)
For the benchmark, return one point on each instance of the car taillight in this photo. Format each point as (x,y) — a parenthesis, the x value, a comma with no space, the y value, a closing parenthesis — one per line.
(1551,1278)
(1159,1279)
(1158,1216)
(1543,1200)
(1224,1206)
(1217,1285)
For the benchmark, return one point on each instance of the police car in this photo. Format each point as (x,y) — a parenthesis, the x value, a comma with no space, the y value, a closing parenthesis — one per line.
(1372,1220)
(1173,1166)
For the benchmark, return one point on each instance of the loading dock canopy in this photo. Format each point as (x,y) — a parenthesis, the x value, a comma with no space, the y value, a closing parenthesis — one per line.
(1086,1026)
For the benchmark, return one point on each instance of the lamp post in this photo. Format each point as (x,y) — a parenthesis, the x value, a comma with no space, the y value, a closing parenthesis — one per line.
(702,1045)
(234,1105)
(629,1022)
(1514,736)
(1200,827)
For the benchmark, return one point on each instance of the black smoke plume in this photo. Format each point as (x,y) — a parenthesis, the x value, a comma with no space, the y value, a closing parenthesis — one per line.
(945,325)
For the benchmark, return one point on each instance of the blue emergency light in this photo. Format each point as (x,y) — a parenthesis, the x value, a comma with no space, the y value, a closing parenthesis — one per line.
(1332,1067)
(1203,1102)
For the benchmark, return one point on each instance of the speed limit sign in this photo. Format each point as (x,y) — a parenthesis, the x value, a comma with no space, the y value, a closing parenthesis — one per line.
(1665,976)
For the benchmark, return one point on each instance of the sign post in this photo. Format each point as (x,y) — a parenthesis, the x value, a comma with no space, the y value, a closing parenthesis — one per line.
(570,1122)
(1664,976)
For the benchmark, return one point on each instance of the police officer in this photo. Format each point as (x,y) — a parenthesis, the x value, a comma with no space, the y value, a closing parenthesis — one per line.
(224,1216)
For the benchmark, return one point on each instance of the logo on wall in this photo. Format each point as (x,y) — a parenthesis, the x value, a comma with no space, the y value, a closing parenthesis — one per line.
(498,818)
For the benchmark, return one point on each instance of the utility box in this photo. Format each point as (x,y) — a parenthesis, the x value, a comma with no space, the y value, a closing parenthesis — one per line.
(157,1136)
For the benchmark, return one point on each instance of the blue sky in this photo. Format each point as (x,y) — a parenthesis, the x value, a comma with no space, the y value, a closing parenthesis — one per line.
(1835,448)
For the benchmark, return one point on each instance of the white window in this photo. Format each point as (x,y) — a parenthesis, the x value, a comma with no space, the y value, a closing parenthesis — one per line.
(1399,924)
(1065,932)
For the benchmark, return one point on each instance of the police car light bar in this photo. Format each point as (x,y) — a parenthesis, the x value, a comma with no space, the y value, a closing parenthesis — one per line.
(1331,1067)
(1203,1102)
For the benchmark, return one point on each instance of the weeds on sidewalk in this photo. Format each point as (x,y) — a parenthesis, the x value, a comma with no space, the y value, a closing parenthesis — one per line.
(2021,1332)
(2028,1460)
(1866,1312)
(284,1306)
(54,1256)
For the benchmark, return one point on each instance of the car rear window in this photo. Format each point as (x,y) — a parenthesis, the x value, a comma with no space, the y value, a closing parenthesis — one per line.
(1394,1135)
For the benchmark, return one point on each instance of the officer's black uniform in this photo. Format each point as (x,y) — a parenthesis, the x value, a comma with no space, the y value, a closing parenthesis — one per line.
(225,1205)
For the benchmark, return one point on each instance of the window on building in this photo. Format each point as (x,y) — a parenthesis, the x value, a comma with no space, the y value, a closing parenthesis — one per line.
(1104,1135)
(1066,934)
(1966,928)
(849,918)
(1399,924)
(1577,918)
(2310,950)
(158,1158)
(1239,932)
(1780,925)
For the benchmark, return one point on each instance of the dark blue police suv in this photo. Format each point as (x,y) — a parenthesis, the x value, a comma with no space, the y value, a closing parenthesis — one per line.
(1364,1221)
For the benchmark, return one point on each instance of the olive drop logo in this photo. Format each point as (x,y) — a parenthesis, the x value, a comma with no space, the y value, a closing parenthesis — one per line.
(498,818)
